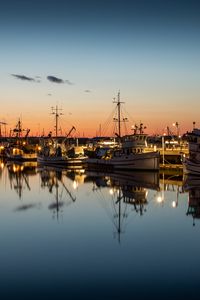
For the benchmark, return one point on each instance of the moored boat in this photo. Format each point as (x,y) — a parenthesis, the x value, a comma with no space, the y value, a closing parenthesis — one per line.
(191,164)
(53,151)
(130,154)
(20,149)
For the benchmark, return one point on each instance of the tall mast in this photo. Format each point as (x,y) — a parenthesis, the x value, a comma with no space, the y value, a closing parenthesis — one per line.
(55,111)
(119,113)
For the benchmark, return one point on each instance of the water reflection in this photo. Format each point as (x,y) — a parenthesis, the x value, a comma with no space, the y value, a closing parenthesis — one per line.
(130,192)
(54,180)
(192,186)
(141,211)
(19,174)
(170,183)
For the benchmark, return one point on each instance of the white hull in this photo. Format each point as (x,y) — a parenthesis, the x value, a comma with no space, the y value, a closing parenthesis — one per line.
(142,161)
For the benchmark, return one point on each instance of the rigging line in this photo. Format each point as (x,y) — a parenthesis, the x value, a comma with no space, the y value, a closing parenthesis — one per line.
(105,207)
(129,220)
(129,116)
(108,120)
(124,120)
(115,207)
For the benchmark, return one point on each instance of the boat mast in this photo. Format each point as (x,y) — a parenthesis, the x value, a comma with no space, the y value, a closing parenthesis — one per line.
(118,113)
(55,111)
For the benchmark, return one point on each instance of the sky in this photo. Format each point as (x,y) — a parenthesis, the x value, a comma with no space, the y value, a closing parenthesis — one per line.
(77,55)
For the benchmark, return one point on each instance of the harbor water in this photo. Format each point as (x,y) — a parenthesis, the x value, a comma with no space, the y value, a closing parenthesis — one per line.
(73,234)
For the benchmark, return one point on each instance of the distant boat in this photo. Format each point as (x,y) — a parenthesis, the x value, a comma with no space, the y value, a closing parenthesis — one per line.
(130,153)
(20,150)
(191,164)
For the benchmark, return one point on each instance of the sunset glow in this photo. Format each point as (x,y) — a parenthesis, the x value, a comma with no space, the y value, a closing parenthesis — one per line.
(79,56)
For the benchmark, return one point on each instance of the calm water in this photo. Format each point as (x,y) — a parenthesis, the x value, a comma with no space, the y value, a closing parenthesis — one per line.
(69,235)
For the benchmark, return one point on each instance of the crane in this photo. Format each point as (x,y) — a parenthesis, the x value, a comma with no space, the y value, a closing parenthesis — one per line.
(73,128)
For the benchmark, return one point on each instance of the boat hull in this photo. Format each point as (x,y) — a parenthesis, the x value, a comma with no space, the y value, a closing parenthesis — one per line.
(22,157)
(52,160)
(142,161)
(191,167)
(64,161)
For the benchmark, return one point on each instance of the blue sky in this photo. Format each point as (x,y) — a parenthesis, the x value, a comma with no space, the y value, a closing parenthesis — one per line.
(149,50)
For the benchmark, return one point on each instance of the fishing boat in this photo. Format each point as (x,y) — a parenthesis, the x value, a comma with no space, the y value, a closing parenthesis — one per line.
(19,149)
(191,164)
(57,158)
(130,154)
(52,152)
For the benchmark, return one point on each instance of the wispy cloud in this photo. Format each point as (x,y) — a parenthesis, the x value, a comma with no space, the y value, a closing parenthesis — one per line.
(23,77)
(58,80)
(55,79)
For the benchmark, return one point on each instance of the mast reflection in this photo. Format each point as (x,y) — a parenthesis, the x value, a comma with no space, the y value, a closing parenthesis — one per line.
(18,174)
(53,180)
(128,192)
(192,186)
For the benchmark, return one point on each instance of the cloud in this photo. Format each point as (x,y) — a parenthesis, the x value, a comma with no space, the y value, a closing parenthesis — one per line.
(58,80)
(23,77)
(87,91)
(55,79)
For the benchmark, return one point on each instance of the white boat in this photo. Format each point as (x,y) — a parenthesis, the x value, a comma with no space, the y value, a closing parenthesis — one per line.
(54,156)
(127,158)
(130,154)
(191,164)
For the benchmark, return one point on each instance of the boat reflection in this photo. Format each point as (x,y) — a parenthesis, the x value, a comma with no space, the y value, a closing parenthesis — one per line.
(192,186)
(19,173)
(54,180)
(127,194)
(172,183)
(122,193)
